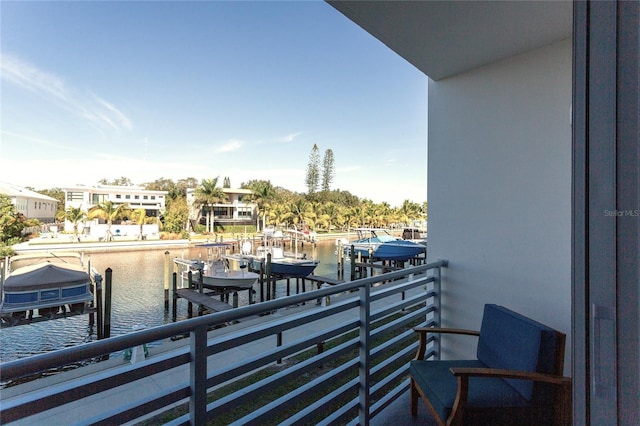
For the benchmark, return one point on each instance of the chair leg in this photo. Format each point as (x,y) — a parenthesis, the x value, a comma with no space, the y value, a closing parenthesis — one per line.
(414,398)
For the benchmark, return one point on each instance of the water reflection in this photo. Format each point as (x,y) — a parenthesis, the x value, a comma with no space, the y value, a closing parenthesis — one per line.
(138,299)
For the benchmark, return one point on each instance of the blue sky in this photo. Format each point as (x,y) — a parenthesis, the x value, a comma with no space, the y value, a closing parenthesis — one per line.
(146,90)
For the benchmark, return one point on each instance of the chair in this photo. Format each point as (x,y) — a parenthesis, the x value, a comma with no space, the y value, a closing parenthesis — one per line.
(516,378)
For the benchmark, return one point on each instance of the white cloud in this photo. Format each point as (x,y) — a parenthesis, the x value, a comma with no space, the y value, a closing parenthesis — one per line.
(230,145)
(290,137)
(54,89)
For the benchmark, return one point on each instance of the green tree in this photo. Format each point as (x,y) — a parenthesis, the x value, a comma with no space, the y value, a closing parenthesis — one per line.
(328,170)
(313,170)
(11,221)
(75,215)
(139,216)
(226,183)
(262,194)
(301,211)
(176,215)
(208,194)
(108,212)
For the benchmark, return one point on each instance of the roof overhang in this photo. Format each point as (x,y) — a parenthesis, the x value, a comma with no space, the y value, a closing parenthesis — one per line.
(445,38)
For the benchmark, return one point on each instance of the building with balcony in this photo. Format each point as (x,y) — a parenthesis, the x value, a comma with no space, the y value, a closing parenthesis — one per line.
(30,203)
(237,210)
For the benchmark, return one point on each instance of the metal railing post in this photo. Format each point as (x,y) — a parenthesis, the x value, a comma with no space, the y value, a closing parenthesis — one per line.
(437,303)
(364,352)
(198,376)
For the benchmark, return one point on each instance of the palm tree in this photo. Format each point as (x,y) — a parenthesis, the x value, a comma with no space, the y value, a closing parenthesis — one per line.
(208,194)
(109,212)
(301,211)
(74,215)
(139,216)
(263,193)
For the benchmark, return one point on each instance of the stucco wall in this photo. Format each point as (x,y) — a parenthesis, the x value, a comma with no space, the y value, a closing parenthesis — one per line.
(500,190)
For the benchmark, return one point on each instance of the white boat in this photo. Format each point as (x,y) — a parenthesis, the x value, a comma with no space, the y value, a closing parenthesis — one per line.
(45,284)
(217,272)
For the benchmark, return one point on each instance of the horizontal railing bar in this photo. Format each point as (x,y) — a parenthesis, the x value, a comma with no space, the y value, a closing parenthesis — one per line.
(272,327)
(391,359)
(235,399)
(67,392)
(382,348)
(394,307)
(269,357)
(143,407)
(300,417)
(400,286)
(408,317)
(301,392)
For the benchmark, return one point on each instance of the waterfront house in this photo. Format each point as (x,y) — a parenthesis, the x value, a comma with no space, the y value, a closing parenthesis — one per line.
(236,210)
(533,173)
(86,197)
(30,203)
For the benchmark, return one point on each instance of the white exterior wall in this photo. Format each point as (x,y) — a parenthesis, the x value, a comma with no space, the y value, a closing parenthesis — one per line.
(500,190)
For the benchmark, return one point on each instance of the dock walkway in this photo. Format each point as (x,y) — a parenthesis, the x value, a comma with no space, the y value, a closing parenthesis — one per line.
(203,299)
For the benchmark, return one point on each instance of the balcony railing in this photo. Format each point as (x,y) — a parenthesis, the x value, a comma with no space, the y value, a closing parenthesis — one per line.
(339,357)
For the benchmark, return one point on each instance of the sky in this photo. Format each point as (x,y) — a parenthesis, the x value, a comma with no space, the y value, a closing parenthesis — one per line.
(149,90)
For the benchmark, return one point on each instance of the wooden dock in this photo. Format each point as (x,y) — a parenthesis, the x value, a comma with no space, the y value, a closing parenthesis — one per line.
(203,299)
(323,280)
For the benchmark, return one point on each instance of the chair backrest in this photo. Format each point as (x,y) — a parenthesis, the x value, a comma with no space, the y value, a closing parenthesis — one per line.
(509,340)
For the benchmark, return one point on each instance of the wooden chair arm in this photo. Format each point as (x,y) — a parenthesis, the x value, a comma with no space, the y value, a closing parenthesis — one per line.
(563,400)
(423,331)
(446,330)
(509,374)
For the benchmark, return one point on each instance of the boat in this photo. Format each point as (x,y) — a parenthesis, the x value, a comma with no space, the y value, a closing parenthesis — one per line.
(287,265)
(220,276)
(217,273)
(283,264)
(381,245)
(45,285)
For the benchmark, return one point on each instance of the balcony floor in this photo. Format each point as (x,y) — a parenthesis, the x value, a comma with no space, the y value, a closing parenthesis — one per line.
(398,413)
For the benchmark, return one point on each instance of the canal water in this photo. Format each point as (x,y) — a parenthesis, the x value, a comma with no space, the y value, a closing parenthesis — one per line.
(138,299)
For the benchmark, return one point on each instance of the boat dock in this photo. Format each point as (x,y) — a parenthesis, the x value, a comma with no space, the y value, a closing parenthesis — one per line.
(203,299)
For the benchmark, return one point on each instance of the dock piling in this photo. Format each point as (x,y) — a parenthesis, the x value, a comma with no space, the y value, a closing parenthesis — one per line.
(166,280)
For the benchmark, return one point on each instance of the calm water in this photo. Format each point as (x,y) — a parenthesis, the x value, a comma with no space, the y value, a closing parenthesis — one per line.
(138,298)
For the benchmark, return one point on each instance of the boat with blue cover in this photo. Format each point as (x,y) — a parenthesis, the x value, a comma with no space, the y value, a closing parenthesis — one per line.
(47,284)
(380,244)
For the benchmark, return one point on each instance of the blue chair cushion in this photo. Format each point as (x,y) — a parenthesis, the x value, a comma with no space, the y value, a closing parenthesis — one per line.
(512,341)
(440,386)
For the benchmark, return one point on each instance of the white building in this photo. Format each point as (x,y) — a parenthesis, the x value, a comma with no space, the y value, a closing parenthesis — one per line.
(31,204)
(533,173)
(86,197)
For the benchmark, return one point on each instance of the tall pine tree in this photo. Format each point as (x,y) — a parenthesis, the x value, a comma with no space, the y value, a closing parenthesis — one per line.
(313,170)
(328,170)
